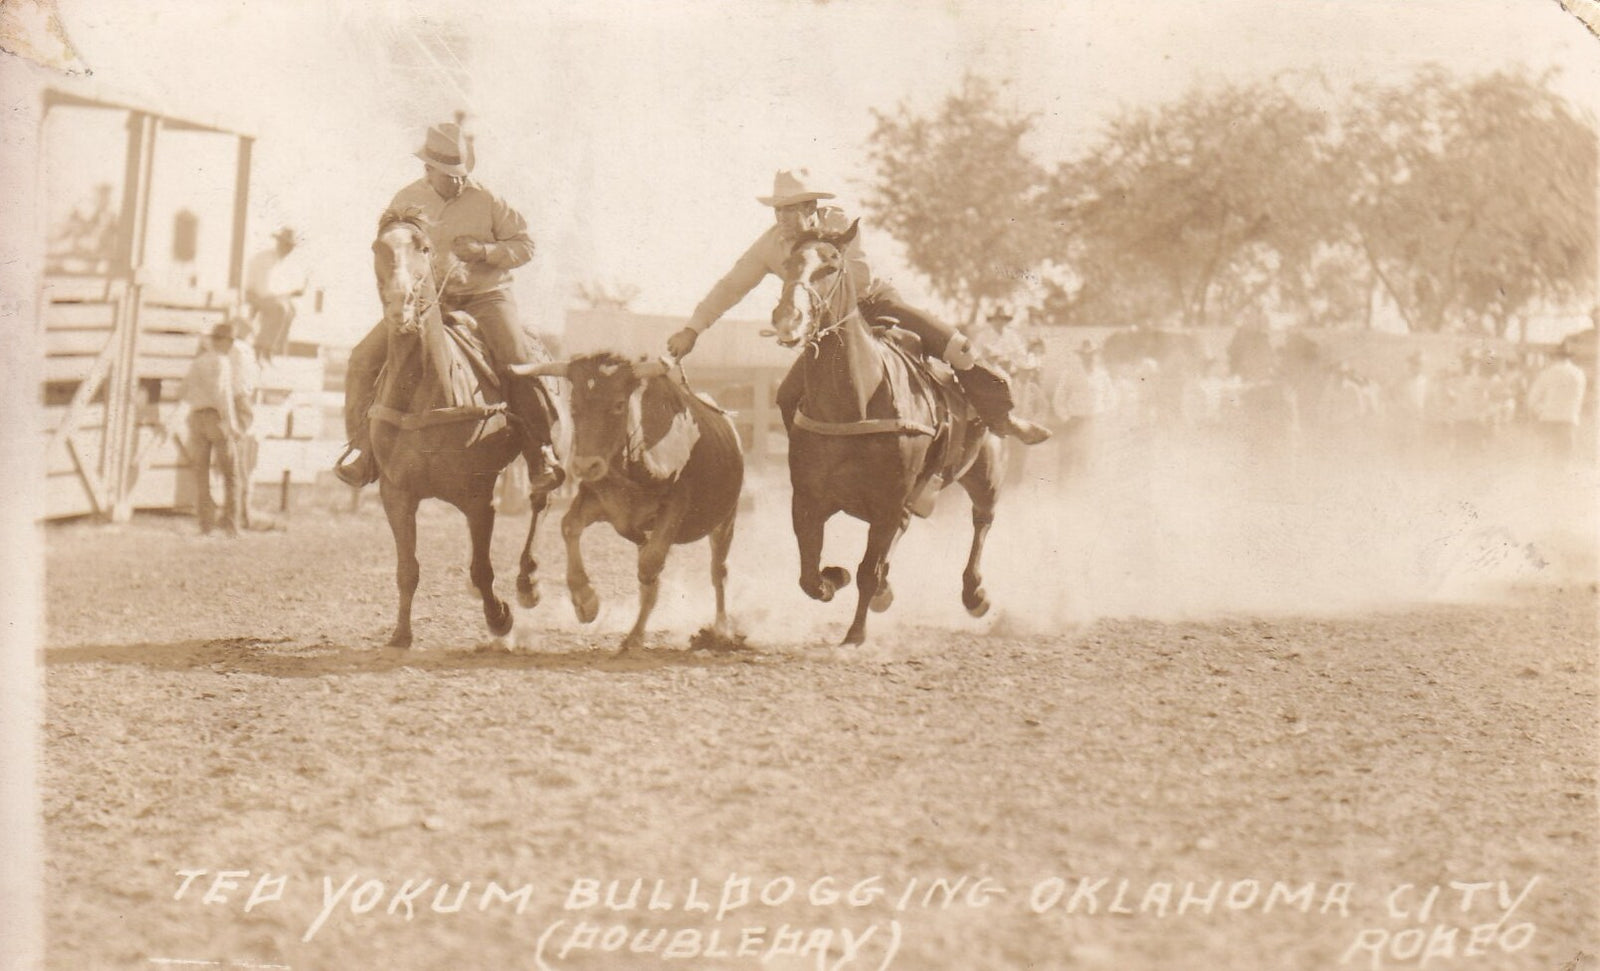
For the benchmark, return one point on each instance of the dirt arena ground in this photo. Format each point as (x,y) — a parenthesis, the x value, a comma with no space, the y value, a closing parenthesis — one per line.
(1282,754)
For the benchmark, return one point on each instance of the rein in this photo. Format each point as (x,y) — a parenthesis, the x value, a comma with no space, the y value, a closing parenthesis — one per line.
(824,302)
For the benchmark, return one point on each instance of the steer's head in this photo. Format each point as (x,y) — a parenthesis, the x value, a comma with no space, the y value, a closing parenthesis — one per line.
(608,425)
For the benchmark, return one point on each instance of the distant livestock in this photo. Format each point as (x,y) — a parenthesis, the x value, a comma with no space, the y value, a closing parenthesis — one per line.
(654,460)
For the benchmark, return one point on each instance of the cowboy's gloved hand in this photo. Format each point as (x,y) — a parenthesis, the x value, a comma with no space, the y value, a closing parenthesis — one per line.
(681,343)
(468,249)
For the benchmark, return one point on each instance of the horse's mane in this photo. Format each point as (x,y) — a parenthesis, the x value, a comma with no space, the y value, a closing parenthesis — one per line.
(410,216)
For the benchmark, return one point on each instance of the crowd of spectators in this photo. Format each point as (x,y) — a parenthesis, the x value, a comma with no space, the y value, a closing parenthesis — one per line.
(1523,403)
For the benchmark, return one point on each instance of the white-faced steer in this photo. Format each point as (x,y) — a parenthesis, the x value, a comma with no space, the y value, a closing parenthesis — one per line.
(655,461)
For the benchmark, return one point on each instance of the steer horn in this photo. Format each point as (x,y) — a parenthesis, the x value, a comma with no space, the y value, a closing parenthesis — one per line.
(546,369)
(645,370)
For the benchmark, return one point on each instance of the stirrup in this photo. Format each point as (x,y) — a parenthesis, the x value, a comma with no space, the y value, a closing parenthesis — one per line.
(546,481)
(356,472)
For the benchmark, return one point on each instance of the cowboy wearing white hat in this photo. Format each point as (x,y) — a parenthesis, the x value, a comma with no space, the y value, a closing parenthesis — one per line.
(794,201)
(448,149)
(790,188)
(477,240)
(274,279)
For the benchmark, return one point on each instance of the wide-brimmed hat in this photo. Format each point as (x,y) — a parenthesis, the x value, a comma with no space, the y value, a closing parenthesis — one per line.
(790,186)
(1001,312)
(445,148)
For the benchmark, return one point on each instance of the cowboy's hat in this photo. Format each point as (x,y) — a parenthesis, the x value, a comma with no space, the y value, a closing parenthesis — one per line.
(446,149)
(1000,312)
(789,187)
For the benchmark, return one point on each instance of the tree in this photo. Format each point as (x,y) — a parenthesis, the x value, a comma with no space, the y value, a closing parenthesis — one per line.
(1472,201)
(1195,211)
(960,194)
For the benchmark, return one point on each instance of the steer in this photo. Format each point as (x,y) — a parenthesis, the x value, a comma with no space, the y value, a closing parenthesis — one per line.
(657,462)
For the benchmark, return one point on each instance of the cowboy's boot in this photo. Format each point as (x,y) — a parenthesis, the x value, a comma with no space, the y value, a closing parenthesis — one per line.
(1023,430)
(545,475)
(989,391)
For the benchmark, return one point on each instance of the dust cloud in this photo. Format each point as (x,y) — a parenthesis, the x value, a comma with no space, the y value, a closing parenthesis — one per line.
(1167,526)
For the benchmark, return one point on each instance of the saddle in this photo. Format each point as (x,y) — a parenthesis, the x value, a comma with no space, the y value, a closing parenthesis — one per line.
(475,388)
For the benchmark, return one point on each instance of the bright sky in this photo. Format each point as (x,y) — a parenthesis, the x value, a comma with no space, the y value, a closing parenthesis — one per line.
(635,135)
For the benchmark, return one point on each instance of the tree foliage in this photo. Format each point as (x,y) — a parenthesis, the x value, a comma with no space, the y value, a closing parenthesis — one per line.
(1471,201)
(1195,209)
(1465,202)
(960,194)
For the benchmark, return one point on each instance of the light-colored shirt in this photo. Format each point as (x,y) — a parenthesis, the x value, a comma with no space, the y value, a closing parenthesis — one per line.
(1006,347)
(270,274)
(212,382)
(477,214)
(1072,397)
(767,255)
(1557,393)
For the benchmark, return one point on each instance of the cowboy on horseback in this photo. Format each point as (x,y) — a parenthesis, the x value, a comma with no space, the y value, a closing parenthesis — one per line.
(795,208)
(477,240)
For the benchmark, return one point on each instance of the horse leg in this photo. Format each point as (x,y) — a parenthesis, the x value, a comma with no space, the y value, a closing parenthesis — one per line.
(982,483)
(401,507)
(721,541)
(583,511)
(480,524)
(884,598)
(652,559)
(527,573)
(809,521)
(881,534)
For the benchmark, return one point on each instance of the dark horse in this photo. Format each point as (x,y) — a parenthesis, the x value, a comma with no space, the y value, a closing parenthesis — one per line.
(440,429)
(875,427)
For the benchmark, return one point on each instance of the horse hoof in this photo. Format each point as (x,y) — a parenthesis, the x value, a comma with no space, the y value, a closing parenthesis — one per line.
(586,605)
(527,594)
(401,640)
(836,575)
(822,590)
(882,600)
(976,602)
(500,619)
(855,638)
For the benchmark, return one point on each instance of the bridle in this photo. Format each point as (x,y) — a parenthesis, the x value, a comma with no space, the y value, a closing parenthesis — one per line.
(418,298)
(822,304)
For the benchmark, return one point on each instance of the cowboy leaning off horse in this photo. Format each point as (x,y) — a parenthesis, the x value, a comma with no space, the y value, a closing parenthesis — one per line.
(794,205)
(477,240)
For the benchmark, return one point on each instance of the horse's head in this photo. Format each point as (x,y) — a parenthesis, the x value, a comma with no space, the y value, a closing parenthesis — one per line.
(402,261)
(817,291)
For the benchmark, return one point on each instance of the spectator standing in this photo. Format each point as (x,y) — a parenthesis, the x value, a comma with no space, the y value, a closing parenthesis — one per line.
(1072,402)
(212,390)
(1555,400)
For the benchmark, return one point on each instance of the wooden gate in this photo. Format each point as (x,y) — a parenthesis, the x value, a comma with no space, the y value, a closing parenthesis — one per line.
(117,343)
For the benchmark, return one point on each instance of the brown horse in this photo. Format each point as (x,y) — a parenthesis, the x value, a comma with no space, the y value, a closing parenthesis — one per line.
(875,427)
(440,429)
